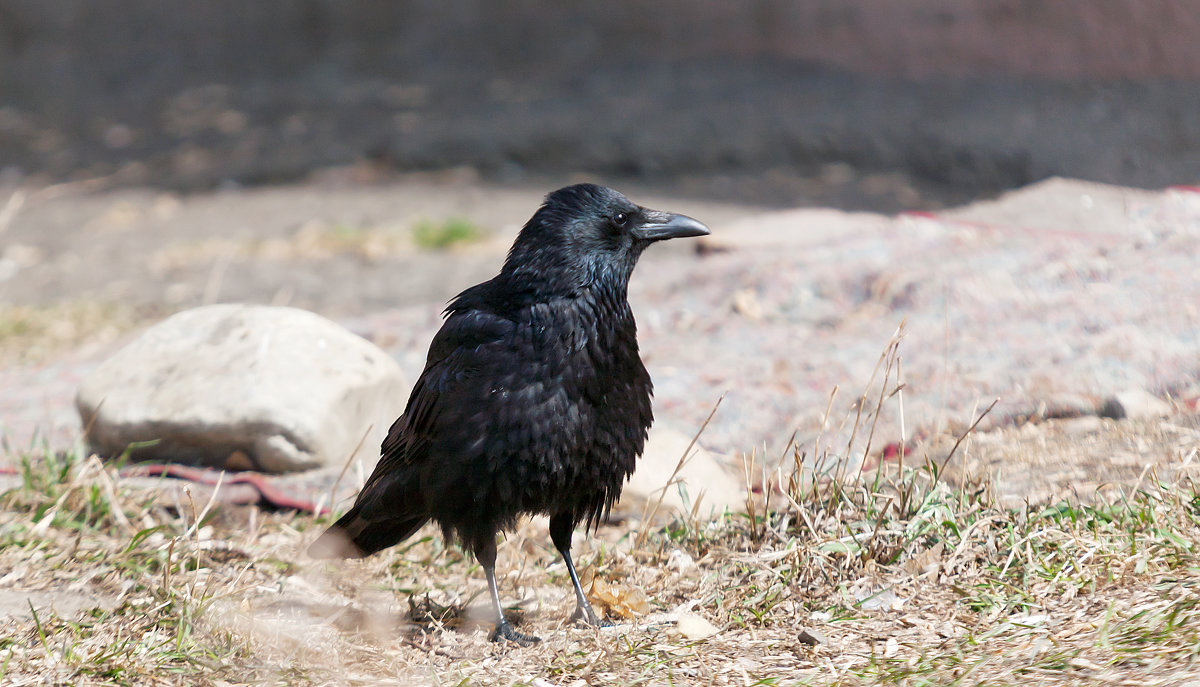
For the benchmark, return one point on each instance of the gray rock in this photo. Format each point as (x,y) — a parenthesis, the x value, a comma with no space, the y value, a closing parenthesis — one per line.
(705,477)
(276,389)
(1133,404)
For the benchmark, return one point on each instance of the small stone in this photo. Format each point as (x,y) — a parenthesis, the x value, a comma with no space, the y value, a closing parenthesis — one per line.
(811,637)
(747,303)
(244,387)
(694,627)
(1134,404)
(891,647)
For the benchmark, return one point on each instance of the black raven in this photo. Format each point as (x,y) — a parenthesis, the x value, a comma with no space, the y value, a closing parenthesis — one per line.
(533,399)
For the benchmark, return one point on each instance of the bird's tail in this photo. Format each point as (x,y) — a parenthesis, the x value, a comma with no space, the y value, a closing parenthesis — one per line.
(355,537)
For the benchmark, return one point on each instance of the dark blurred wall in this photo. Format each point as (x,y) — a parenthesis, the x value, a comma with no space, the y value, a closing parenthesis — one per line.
(974,92)
(95,46)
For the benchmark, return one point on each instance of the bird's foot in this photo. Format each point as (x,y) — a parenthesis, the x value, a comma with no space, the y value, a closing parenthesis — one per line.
(584,615)
(505,631)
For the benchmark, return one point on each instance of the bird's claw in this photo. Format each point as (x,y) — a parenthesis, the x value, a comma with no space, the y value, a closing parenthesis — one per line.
(505,631)
(584,615)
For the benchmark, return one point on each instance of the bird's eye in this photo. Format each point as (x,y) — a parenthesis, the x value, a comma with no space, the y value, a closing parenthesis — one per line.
(620,219)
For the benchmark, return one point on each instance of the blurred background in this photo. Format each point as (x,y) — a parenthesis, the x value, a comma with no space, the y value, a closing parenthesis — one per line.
(883,105)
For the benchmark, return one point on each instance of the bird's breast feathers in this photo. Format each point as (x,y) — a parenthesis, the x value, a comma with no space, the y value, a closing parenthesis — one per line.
(563,376)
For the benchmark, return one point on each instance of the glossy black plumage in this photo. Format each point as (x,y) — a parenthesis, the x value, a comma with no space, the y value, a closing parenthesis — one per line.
(533,399)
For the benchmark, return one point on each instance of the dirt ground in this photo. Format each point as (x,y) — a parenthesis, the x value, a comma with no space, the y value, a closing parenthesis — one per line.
(894,581)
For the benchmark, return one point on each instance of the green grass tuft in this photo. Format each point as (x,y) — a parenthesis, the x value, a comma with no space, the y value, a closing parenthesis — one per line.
(432,235)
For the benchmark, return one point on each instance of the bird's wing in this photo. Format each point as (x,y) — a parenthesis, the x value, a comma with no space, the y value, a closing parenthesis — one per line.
(462,352)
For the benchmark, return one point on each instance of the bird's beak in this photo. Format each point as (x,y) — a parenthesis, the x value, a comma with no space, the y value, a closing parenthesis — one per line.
(663,225)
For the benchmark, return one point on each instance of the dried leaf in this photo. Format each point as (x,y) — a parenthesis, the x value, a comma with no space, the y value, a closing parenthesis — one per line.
(928,561)
(618,599)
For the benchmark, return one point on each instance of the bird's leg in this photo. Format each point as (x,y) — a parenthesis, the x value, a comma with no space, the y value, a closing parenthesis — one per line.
(486,555)
(561,527)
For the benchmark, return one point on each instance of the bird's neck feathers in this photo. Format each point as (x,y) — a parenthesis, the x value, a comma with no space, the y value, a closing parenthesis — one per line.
(553,265)
(542,278)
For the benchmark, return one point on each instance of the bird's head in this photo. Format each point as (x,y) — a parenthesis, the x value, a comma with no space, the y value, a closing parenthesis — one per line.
(587,233)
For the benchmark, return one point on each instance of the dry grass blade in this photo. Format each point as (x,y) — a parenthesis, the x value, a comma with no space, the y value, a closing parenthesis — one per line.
(885,362)
(648,512)
(333,490)
(941,468)
(198,518)
(891,357)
